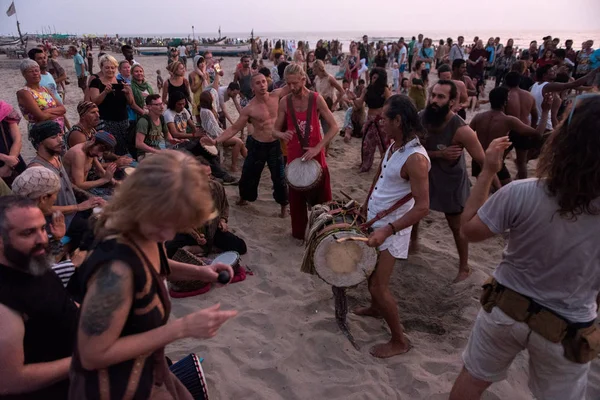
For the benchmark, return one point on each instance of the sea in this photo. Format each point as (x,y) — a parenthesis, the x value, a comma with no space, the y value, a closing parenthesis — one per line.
(521,38)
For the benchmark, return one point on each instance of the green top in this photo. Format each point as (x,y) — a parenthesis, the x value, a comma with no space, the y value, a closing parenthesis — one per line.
(155,134)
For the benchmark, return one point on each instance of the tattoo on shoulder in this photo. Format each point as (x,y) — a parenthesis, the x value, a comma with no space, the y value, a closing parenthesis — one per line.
(96,318)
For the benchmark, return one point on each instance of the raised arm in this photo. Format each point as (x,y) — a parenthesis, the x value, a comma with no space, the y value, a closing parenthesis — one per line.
(559,87)
(16,377)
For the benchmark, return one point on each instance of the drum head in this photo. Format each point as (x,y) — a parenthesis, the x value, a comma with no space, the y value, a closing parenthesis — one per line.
(344,264)
(211,149)
(229,257)
(303,174)
(129,170)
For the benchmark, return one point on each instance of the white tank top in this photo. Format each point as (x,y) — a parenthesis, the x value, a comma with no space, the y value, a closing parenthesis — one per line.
(390,186)
(324,87)
(537,93)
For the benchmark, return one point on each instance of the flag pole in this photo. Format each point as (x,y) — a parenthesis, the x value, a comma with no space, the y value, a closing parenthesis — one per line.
(18,25)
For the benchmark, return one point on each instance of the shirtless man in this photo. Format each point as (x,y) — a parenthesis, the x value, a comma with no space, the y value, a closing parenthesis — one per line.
(522,106)
(495,123)
(459,73)
(262,146)
(79,160)
(445,72)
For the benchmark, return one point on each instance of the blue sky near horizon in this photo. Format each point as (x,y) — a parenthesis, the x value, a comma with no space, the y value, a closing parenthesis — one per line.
(234,16)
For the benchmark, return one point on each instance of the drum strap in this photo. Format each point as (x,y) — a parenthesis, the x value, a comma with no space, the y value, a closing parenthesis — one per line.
(387,212)
(303,139)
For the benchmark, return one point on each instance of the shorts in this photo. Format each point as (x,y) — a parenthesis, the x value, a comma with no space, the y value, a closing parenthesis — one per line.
(402,68)
(82,83)
(503,174)
(525,142)
(495,341)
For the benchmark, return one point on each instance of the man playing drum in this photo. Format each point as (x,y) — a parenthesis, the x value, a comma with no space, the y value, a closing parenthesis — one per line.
(401,191)
(305,143)
(262,147)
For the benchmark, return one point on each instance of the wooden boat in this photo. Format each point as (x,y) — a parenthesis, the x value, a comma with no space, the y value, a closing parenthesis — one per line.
(153,50)
(220,48)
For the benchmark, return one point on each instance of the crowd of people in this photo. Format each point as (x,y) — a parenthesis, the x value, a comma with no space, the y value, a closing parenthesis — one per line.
(89,226)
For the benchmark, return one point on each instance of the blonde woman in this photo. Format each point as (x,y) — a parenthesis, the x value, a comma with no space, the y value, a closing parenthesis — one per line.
(299,55)
(176,83)
(112,95)
(124,323)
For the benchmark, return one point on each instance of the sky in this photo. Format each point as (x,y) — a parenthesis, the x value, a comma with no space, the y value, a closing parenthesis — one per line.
(235,16)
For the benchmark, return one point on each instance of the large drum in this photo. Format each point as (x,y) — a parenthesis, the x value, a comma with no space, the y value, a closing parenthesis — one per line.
(303,175)
(340,254)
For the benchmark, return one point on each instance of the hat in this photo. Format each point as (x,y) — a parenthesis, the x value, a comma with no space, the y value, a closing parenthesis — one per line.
(84,106)
(42,131)
(36,182)
(105,138)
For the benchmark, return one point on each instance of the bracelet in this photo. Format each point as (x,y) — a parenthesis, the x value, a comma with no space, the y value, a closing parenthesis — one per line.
(392,226)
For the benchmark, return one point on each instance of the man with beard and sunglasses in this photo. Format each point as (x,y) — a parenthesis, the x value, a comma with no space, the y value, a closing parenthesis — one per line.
(447,136)
(39,319)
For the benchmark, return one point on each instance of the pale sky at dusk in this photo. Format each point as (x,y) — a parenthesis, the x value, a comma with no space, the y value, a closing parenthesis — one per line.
(154,16)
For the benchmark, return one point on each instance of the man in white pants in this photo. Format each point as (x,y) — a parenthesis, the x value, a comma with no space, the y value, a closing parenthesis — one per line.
(548,276)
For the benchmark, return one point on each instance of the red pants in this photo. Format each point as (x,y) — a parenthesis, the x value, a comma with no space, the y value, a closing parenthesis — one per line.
(301,200)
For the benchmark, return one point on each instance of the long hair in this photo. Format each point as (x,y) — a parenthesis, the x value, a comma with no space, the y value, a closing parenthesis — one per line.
(569,164)
(377,88)
(168,186)
(401,105)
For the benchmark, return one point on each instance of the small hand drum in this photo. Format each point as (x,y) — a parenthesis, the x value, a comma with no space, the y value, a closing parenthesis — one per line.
(211,149)
(303,175)
(229,258)
(128,170)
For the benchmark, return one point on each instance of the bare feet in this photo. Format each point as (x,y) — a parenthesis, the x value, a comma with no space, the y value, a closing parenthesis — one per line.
(347,138)
(284,212)
(462,275)
(242,202)
(367,312)
(391,348)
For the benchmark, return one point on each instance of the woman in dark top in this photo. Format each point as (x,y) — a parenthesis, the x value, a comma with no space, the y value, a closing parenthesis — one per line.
(112,97)
(417,91)
(124,324)
(176,83)
(381,59)
(373,136)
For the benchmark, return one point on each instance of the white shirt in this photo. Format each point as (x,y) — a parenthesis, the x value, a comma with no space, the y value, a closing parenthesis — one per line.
(223,98)
(537,93)
(553,260)
(402,56)
(182,50)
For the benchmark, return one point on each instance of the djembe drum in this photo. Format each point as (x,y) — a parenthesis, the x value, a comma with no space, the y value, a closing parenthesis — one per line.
(303,175)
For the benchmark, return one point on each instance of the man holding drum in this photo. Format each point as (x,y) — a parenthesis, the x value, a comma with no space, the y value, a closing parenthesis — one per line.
(399,198)
(301,111)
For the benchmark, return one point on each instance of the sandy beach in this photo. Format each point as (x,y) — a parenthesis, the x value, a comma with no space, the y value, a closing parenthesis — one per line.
(285,343)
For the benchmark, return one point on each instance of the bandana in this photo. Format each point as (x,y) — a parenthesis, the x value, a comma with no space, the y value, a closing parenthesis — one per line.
(42,131)
(105,138)
(84,107)
(36,182)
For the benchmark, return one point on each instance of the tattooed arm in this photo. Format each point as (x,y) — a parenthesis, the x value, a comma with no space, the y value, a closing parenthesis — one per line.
(104,313)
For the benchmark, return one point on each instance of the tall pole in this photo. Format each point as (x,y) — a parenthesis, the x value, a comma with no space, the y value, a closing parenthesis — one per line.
(193,34)
(19,27)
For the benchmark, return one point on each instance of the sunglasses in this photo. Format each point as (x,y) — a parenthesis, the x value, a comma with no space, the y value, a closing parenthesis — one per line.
(580,97)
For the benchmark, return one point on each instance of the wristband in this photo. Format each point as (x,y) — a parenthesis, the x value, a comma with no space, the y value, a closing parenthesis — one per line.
(392,226)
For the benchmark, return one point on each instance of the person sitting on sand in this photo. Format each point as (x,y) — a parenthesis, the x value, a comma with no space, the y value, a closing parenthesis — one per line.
(82,157)
(403,172)
(543,296)
(152,133)
(215,233)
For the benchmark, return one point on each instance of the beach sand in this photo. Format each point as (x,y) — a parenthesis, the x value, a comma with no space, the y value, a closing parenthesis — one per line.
(285,343)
